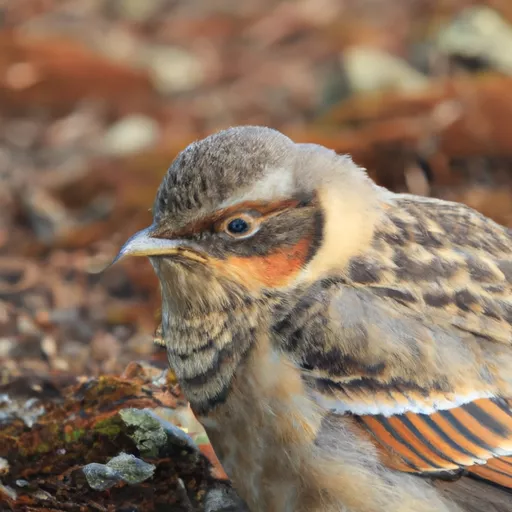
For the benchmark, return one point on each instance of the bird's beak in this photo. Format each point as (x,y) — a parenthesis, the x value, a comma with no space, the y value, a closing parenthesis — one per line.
(144,243)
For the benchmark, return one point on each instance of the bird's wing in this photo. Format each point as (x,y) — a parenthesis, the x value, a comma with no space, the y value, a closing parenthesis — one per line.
(414,340)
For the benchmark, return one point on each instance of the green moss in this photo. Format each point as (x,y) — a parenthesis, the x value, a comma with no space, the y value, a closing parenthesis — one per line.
(107,388)
(103,385)
(111,427)
(74,435)
(43,448)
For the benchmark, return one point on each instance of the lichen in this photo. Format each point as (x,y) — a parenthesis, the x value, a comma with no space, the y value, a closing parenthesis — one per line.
(101,477)
(131,469)
(124,467)
(110,427)
(145,430)
(152,434)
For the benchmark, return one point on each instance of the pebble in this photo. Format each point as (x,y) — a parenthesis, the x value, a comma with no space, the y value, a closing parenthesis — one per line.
(131,469)
(4,466)
(101,477)
(479,32)
(369,69)
(172,69)
(151,433)
(6,344)
(130,135)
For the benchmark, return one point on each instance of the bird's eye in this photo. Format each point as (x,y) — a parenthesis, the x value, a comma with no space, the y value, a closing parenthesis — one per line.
(241,225)
(238,226)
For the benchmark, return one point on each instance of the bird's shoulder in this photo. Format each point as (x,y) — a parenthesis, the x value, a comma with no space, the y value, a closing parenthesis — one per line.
(443,260)
(413,339)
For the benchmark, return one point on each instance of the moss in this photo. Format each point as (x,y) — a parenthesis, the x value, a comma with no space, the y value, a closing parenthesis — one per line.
(43,448)
(74,435)
(110,427)
(108,388)
(104,384)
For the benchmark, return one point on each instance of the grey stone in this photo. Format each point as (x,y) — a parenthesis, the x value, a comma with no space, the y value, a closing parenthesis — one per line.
(130,135)
(131,469)
(153,434)
(224,499)
(101,477)
(478,32)
(172,69)
(369,69)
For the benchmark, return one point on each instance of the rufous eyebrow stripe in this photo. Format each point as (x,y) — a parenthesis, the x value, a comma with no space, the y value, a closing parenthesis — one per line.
(208,223)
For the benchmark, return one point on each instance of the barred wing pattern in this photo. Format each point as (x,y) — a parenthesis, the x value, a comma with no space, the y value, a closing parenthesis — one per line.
(414,340)
(476,436)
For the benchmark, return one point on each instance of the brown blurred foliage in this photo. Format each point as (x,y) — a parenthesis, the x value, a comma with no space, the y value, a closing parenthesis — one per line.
(98,96)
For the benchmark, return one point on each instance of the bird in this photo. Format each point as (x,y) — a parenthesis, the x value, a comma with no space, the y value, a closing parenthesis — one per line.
(346,348)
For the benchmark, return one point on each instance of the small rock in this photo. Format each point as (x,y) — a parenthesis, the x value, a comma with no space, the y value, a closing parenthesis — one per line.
(370,69)
(479,32)
(4,466)
(130,135)
(224,499)
(148,434)
(26,410)
(8,491)
(416,181)
(26,325)
(49,346)
(48,217)
(172,69)
(131,469)
(6,344)
(101,477)
(41,494)
(152,433)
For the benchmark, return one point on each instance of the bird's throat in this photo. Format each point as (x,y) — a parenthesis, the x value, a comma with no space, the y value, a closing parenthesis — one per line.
(207,348)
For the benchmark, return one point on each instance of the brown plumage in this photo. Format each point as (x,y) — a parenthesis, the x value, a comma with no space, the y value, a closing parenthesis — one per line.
(346,348)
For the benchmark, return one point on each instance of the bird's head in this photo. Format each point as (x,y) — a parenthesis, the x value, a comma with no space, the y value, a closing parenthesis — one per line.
(250,207)
(241,216)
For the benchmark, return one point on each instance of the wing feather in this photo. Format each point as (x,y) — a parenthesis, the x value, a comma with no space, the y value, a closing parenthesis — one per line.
(476,438)
(413,339)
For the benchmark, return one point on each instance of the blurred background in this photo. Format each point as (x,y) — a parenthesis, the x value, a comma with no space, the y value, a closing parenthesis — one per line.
(98,96)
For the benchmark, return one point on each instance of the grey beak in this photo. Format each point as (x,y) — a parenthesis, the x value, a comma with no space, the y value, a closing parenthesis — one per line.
(143,244)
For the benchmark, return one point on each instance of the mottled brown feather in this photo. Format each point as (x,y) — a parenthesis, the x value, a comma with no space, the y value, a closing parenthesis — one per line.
(414,338)
(407,319)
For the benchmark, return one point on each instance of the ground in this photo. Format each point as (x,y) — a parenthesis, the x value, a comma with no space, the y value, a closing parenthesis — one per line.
(97,97)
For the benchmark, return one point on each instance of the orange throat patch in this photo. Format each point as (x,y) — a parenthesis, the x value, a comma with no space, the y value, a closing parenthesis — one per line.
(270,271)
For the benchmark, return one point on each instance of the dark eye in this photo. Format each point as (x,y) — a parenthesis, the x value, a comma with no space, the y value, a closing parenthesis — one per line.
(241,225)
(238,226)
